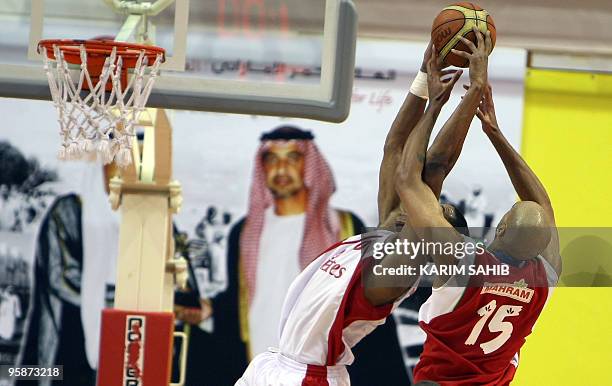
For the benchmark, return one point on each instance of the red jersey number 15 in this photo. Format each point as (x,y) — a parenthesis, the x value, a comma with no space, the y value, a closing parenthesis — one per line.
(496,324)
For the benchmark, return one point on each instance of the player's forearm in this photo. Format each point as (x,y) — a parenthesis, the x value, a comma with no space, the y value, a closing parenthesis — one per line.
(387,197)
(409,114)
(411,161)
(448,143)
(446,148)
(416,197)
(527,185)
(415,149)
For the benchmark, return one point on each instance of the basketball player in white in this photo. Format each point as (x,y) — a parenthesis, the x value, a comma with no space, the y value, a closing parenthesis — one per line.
(331,306)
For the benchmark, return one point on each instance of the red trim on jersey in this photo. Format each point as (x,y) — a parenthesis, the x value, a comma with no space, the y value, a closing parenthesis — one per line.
(344,242)
(315,376)
(353,307)
(339,243)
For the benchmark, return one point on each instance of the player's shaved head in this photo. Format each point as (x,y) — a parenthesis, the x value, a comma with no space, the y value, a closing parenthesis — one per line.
(524,231)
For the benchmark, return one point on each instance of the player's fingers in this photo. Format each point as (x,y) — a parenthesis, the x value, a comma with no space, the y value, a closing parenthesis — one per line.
(431,61)
(430,68)
(485,102)
(488,42)
(468,43)
(457,75)
(426,56)
(446,75)
(428,50)
(479,114)
(463,54)
(434,53)
(447,72)
(440,63)
(479,37)
(455,78)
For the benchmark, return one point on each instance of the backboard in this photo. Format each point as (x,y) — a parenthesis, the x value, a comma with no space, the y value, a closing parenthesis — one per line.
(268,57)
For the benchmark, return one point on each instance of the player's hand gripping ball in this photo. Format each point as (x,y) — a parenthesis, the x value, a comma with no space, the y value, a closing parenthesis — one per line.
(455,21)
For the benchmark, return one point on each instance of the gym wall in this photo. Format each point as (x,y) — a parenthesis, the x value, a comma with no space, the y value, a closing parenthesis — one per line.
(567,140)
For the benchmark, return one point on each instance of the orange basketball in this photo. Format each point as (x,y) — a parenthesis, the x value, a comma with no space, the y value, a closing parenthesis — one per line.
(457,20)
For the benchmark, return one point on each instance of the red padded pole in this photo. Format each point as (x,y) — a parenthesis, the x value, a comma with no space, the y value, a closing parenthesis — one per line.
(135,348)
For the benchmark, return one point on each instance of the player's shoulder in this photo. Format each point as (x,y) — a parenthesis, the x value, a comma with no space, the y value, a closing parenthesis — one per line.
(538,270)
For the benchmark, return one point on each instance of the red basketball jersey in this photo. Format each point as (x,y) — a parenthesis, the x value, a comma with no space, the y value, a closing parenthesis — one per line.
(475,331)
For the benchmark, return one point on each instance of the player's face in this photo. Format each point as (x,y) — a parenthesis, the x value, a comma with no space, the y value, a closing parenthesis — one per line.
(284,167)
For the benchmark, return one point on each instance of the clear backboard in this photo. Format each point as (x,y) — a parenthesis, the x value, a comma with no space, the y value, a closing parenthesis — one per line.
(268,57)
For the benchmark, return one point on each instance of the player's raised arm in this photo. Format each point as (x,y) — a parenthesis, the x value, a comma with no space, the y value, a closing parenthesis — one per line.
(525,182)
(378,290)
(421,205)
(439,160)
(445,150)
(407,117)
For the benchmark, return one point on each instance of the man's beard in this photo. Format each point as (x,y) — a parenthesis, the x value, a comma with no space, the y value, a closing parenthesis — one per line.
(285,194)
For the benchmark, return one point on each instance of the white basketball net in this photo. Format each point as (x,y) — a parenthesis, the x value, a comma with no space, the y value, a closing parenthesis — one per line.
(95,123)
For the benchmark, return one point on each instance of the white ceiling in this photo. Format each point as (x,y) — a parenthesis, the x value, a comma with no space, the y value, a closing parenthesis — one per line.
(583,26)
(552,25)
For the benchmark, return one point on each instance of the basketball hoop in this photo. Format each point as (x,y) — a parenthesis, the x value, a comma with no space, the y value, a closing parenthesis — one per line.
(98,105)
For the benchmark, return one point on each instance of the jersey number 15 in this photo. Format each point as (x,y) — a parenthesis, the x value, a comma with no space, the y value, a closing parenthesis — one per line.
(496,324)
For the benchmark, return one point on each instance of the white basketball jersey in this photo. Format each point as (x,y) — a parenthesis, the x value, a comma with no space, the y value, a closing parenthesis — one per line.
(325,312)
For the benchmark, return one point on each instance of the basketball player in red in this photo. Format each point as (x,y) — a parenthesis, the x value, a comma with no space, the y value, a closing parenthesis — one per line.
(476,324)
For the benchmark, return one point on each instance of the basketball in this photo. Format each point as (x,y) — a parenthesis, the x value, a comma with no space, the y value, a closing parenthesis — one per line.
(458,20)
